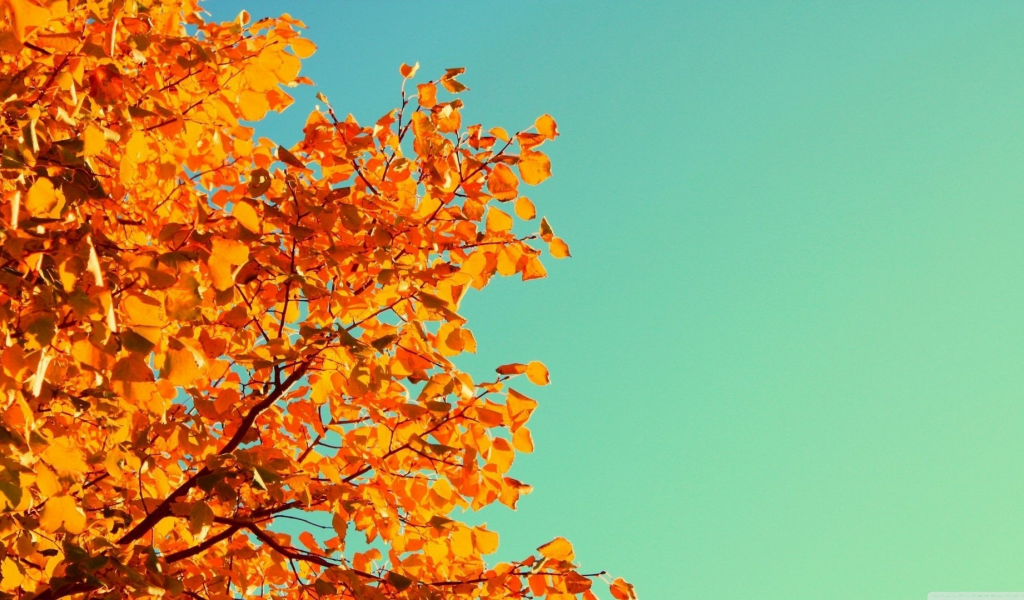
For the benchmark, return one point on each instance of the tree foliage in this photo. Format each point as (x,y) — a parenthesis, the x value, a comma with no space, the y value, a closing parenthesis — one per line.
(206,335)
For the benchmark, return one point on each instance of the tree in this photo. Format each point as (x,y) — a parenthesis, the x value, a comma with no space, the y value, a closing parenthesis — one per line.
(206,335)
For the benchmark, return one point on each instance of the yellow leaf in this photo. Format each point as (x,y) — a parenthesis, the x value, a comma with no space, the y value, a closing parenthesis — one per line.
(501,455)
(42,198)
(519,408)
(94,140)
(46,481)
(537,373)
(559,249)
(486,541)
(62,455)
(25,14)
(10,575)
(557,549)
(253,105)
(226,255)
(522,440)
(546,126)
(62,511)
(525,209)
(302,47)
(246,215)
(498,221)
(259,78)
(462,542)
(535,167)
(500,133)
(229,251)
(183,364)
(182,300)
(449,339)
(143,311)
(534,269)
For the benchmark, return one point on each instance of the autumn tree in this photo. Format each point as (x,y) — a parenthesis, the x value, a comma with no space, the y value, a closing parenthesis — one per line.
(206,335)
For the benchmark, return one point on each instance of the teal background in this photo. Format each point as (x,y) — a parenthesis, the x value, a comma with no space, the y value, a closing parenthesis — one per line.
(786,354)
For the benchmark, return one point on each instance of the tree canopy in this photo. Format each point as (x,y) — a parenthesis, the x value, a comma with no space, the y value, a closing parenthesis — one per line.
(206,335)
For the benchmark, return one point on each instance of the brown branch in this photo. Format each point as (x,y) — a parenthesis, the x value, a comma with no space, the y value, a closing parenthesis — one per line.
(164,508)
(264,537)
(204,546)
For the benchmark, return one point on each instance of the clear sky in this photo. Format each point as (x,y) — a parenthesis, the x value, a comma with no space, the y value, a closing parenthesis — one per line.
(787,354)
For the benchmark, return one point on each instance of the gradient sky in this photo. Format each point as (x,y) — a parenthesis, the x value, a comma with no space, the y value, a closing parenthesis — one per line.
(786,356)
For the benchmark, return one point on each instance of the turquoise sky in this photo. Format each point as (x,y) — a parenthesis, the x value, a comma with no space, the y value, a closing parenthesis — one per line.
(787,354)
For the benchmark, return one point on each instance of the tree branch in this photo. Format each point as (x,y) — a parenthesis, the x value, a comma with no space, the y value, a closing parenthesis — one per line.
(164,508)
(204,546)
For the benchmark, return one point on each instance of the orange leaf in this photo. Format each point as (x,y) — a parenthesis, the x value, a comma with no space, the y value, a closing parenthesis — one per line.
(427,95)
(535,167)
(407,71)
(511,369)
(525,209)
(498,221)
(534,269)
(486,542)
(62,511)
(253,105)
(94,140)
(522,440)
(309,542)
(183,364)
(621,590)
(502,183)
(42,198)
(246,215)
(537,373)
(558,248)
(143,310)
(546,126)
(26,14)
(519,408)
(302,47)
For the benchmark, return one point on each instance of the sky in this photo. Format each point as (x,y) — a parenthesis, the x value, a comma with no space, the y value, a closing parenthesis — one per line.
(786,353)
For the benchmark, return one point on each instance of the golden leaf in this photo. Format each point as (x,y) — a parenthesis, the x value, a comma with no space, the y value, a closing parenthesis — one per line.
(302,47)
(498,221)
(427,95)
(525,209)
(246,215)
(42,198)
(253,105)
(558,248)
(557,549)
(10,575)
(535,167)
(62,511)
(502,183)
(546,126)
